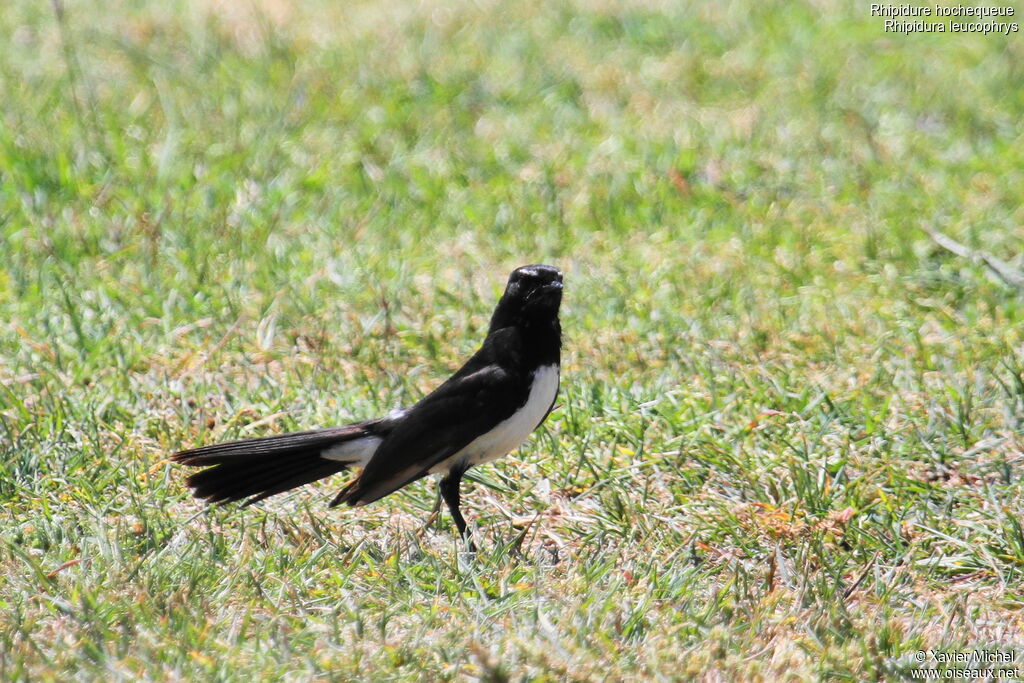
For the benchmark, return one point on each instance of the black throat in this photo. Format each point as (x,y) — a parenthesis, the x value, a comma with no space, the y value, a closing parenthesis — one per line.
(541,339)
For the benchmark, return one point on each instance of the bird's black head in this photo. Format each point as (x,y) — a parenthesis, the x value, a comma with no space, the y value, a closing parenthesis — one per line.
(532,297)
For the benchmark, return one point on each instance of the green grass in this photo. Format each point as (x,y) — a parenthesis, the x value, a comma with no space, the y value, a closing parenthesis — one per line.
(789,441)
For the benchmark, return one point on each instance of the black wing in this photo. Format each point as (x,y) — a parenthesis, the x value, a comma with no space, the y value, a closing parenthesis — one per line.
(486,391)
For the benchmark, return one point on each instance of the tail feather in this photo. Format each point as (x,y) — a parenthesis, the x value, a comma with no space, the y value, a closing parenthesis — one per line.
(306,477)
(260,478)
(255,469)
(280,444)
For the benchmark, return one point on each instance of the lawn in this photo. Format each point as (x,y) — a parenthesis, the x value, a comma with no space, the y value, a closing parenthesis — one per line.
(788,443)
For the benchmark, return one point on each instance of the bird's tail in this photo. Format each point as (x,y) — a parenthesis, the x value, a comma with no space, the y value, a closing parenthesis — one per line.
(255,469)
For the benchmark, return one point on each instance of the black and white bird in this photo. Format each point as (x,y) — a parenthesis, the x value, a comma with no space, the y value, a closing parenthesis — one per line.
(481,413)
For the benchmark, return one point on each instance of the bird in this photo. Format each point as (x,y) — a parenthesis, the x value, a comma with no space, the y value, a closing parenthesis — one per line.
(485,410)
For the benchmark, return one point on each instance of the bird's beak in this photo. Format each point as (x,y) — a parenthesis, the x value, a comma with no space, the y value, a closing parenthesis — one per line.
(550,289)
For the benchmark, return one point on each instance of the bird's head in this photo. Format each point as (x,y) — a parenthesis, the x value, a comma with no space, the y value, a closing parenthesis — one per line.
(532,295)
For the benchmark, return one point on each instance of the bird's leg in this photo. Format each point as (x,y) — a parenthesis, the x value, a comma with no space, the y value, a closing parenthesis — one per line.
(450,493)
(433,514)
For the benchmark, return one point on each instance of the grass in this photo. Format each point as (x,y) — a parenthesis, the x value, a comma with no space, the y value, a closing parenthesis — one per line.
(789,435)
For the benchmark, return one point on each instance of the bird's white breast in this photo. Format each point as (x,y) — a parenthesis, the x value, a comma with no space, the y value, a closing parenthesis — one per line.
(511,432)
